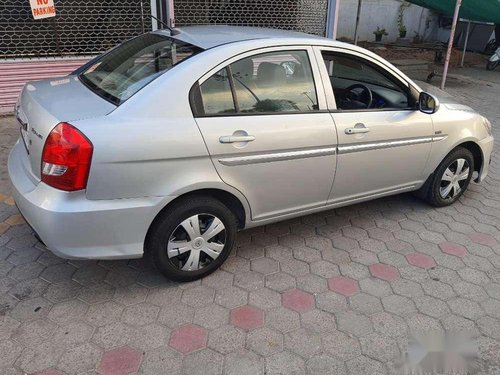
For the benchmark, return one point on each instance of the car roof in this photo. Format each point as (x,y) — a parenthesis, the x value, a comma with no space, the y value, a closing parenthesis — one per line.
(209,36)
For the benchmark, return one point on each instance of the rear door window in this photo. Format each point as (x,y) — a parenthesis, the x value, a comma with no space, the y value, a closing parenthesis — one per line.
(272,82)
(217,95)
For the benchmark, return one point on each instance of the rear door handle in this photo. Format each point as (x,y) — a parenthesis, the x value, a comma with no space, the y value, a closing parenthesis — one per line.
(236,138)
(357,129)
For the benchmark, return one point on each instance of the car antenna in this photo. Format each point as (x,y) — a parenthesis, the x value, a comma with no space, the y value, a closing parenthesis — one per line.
(171,29)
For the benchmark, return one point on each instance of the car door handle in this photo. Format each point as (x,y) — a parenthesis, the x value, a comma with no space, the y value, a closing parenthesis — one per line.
(357,129)
(236,138)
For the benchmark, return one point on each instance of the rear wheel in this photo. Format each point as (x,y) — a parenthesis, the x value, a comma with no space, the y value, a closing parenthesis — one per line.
(490,47)
(492,65)
(451,178)
(192,238)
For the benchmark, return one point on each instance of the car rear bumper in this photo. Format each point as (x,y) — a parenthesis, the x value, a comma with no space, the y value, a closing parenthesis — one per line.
(71,226)
(487,148)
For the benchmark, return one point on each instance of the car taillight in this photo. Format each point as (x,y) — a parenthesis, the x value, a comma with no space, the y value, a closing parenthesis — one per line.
(66,158)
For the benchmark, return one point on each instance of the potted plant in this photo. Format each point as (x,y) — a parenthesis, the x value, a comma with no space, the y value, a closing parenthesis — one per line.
(401,14)
(379,33)
(402,31)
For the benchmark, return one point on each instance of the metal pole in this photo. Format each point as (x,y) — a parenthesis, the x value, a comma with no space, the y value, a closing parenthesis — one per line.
(170,13)
(332,19)
(357,22)
(142,18)
(465,44)
(154,13)
(56,35)
(450,43)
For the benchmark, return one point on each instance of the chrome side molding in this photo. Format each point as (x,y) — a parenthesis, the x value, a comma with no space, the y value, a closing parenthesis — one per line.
(279,156)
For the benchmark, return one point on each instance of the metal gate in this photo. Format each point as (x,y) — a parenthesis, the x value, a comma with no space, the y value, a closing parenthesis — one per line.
(81,27)
(300,15)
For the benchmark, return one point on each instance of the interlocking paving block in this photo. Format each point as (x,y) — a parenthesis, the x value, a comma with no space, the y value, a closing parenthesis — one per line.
(284,363)
(80,359)
(412,268)
(247,317)
(265,341)
(384,272)
(211,316)
(420,260)
(265,299)
(120,361)
(283,319)
(140,314)
(298,300)
(243,362)
(112,335)
(157,360)
(453,249)
(188,338)
(340,345)
(226,339)
(353,323)
(343,285)
(203,362)
(231,297)
(303,342)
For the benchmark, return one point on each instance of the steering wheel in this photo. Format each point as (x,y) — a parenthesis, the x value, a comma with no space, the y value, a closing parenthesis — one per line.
(353,98)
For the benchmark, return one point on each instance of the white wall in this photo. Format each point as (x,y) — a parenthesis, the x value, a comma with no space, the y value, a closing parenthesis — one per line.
(383,13)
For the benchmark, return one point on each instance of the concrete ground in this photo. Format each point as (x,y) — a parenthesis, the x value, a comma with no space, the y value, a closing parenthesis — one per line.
(334,293)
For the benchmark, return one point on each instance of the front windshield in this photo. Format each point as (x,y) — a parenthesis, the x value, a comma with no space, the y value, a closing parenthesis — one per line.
(128,68)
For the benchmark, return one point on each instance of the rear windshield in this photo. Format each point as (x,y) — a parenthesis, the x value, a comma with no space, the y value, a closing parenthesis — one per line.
(128,68)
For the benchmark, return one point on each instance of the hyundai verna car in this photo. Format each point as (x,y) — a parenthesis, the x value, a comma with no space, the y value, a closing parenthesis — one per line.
(170,143)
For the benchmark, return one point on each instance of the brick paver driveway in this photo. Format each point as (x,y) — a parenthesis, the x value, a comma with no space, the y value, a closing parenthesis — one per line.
(333,293)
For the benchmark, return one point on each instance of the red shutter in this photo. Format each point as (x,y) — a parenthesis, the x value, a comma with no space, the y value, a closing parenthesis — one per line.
(14,74)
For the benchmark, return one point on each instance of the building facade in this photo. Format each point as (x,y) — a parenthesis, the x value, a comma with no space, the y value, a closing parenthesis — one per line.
(35,49)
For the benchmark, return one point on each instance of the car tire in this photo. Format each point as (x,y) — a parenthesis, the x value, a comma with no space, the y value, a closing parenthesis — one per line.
(492,65)
(451,178)
(179,241)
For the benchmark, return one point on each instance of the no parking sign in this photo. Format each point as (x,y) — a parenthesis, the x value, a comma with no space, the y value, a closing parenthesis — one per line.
(42,9)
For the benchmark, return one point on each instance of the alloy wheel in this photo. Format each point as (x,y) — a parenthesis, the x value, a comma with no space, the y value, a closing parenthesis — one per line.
(196,242)
(454,179)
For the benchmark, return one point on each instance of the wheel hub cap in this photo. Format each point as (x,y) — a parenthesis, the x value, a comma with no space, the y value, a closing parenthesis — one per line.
(454,178)
(196,242)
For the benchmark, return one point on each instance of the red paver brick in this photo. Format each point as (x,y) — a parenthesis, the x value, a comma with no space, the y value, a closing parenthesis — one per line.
(384,272)
(298,300)
(120,361)
(247,317)
(188,338)
(453,248)
(343,285)
(420,260)
(483,239)
(15,220)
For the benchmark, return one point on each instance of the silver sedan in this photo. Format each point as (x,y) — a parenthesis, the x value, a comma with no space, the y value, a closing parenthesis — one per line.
(170,143)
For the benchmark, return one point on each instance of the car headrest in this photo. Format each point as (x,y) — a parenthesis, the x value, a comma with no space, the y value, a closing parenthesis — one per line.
(269,74)
(243,69)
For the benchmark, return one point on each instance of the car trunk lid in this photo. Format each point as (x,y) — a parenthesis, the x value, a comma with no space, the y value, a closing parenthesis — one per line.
(44,104)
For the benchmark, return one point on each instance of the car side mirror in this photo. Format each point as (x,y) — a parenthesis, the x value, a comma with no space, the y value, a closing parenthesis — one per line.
(428,103)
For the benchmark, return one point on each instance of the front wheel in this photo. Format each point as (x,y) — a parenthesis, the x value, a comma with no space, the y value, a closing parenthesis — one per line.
(452,178)
(191,238)
(492,65)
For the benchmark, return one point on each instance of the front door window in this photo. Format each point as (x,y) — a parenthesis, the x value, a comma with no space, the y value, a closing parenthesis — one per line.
(359,85)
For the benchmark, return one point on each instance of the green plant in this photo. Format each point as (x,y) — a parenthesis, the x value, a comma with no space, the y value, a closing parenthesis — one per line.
(401,14)
(380,32)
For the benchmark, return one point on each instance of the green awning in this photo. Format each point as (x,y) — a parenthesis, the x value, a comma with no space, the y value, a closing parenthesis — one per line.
(474,10)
